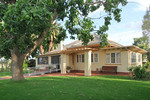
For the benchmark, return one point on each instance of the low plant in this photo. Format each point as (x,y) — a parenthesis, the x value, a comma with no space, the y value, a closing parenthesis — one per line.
(147,64)
(148,75)
(138,72)
(25,65)
(68,68)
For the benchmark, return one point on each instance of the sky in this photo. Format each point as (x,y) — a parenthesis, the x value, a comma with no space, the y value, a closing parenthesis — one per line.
(130,26)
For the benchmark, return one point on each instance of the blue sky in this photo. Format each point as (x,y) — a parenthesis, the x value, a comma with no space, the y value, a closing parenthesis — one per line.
(130,25)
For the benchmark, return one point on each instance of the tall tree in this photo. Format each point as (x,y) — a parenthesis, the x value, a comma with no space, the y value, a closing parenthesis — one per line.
(26,23)
(49,42)
(146,23)
(144,41)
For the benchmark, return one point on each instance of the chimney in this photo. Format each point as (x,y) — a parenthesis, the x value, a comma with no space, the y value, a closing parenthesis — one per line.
(61,45)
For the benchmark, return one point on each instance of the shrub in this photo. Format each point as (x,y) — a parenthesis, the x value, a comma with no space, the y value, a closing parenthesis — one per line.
(147,64)
(31,63)
(138,72)
(148,75)
(25,65)
(68,68)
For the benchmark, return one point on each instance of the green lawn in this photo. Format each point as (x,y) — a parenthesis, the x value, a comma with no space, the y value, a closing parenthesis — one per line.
(4,74)
(75,88)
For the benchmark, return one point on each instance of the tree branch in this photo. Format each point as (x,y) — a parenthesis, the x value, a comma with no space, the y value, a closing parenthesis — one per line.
(92,3)
(41,37)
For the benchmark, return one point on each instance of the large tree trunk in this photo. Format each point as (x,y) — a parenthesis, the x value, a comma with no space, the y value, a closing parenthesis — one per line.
(18,58)
(2,65)
(17,65)
(51,43)
(42,51)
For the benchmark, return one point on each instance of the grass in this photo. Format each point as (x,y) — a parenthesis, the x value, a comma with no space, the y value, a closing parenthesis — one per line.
(5,74)
(75,88)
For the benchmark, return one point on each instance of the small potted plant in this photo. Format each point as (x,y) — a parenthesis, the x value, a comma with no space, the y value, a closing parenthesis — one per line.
(68,69)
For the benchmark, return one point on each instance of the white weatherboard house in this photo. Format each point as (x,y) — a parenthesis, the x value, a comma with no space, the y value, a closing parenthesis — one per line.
(91,58)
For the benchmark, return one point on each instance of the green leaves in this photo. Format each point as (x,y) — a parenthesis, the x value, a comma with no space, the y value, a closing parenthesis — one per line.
(25,20)
(83,27)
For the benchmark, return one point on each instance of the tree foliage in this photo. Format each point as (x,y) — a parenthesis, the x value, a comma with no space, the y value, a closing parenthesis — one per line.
(53,38)
(146,23)
(23,21)
(144,41)
(26,24)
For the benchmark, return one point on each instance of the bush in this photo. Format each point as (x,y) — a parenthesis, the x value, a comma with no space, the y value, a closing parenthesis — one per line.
(148,75)
(25,65)
(147,64)
(68,68)
(138,72)
(31,63)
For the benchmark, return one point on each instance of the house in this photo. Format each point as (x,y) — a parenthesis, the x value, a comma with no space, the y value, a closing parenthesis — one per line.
(91,58)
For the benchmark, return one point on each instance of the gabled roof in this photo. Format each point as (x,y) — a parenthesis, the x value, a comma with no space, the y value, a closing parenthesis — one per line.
(132,48)
(96,41)
(77,46)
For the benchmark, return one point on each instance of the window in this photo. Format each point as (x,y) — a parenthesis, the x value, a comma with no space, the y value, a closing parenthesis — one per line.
(83,58)
(113,58)
(133,57)
(118,58)
(43,60)
(55,59)
(91,57)
(139,57)
(80,58)
(94,57)
(107,58)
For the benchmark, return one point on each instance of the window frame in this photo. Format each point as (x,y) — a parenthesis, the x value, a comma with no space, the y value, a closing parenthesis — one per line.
(47,58)
(118,62)
(113,58)
(54,58)
(139,57)
(131,58)
(93,57)
(80,58)
(109,55)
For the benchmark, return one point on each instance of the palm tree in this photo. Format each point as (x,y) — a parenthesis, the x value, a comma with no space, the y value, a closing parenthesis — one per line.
(55,30)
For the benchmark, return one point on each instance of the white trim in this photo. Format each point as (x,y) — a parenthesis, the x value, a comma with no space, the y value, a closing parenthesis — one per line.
(115,58)
(94,57)
(139,57)
(131,58)
(80,54)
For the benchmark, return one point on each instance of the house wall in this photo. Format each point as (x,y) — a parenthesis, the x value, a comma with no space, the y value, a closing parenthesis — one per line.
(122,67)
(137,63)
